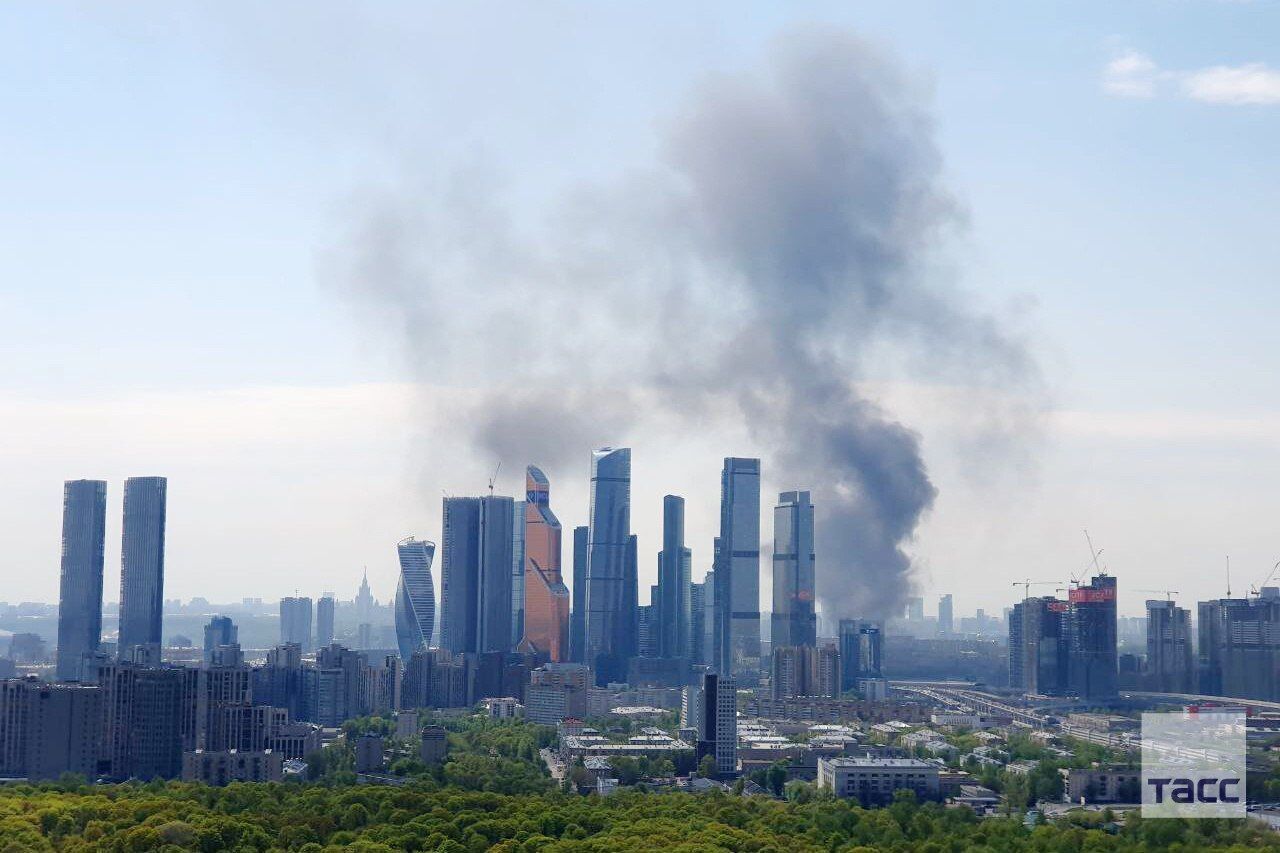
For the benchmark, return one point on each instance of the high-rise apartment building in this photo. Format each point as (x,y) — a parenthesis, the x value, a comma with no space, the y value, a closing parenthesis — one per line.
(610,622)
(1092,613)
(295,622)
(1169,666)
(718,722)
(325,607)
(1239,646)
(794,621)
(475,577)
(142,562)
(220,632)
(738,569)
(673,604)
(1039,646)
(47,730)
(946,620)
(415,596)
(84,520)
(546,598)
(578,615)
(805,671)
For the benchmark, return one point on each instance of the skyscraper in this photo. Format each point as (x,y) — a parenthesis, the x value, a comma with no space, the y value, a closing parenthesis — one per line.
(946,621)
(1093,638)
(517,572)
(794,621)
(1169,668)
(861,652)
(546,598)
(220,631)
(142,562)
(697,622)
(324,620)
(475,577)
(295,622)
(738,569)
(672,606)
(608,545)
(578,617)
(415,596)
(84,522)
(718,722)
(1039,657)
(1239,646)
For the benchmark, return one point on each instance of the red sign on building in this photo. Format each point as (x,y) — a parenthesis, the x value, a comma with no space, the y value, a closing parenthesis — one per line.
(1088,595)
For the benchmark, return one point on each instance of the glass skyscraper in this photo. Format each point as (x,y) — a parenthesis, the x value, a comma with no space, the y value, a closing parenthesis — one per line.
(142,562)
(415,596)
(608,626)
(475,576)
(295,622)
(324,620)
(737,586)
(673,600)
(84,523)
(546,598)
(578,616)
(794,621)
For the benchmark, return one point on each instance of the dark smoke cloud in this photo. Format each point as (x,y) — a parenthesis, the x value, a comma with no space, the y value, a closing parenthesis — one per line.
(793,224)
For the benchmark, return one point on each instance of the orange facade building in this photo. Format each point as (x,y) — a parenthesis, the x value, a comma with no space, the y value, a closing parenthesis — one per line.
(546,598)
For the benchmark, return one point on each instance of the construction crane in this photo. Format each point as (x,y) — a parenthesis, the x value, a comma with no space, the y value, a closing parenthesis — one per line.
(1168,593)
(494,478)
(1093,559)
(1028,583)
(1257,590)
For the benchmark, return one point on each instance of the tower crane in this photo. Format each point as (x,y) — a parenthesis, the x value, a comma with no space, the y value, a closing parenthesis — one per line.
(1168,593)
(1028,583)
(1256,590)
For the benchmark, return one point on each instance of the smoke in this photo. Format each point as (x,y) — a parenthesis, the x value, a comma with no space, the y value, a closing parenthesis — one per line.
(791,230)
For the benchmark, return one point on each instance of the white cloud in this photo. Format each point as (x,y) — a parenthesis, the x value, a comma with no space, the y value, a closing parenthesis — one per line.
(1135,75)
(1254,83)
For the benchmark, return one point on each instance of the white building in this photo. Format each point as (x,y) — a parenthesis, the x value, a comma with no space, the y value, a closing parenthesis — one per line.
(505,708)
(872,781)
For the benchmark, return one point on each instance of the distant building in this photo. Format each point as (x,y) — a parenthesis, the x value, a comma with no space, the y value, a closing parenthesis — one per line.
(861,652)
(84,514)
(435,745)
(718,726)
(805,671)
(503,708)
(475,580)
(220,631)
(946,620)
(737,588)
(545,619)
(578,615)
(1092,664)
(142,562)
(697,623)
(1169,648)
(794,620)
(1040,643)
(227,766)
(672,604)
(324,620)
(1101,785)
(1239,646)
(611,597)
(295,622)
(47,730)
(369,750)
(557,691)
(873,781)
(415,606)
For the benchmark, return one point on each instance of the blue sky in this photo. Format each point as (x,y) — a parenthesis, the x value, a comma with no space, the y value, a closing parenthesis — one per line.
(174,174)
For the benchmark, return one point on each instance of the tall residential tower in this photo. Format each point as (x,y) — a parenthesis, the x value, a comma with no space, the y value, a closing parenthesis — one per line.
(84,522)
(142,562)
(794,621)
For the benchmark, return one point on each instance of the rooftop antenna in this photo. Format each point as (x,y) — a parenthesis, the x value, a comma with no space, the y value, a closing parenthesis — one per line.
(494,478)
(1228,576)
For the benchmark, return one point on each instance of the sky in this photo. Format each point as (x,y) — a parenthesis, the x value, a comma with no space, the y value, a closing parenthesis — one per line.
(180,183)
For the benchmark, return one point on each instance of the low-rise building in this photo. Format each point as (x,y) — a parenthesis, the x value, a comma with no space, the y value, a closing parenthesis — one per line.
(504,708)
(230,765)
(369,752)
(872,781)
(1101,785)
(435,744)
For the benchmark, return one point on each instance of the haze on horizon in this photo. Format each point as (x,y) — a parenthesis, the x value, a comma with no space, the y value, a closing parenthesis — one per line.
(184,182)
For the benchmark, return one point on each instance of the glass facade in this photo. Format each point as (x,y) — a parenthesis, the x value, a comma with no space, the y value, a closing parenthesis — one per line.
(608,538)
(84,524)
(794,621)
(415,596)
(142,562)
(738,569)
(546,598)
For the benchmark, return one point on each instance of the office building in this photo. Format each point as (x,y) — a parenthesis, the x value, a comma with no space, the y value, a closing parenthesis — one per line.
(1239,646)
(48,729)
(578,615)
(946,620)
(415,596)
(517,573)
(738,569)
(794,621)
(873,781)
(610,625)
(1169,653)
(84,520)
(805,671)
(718,722)
(475,577)
(220,631)
(1092,656)
(295,622)
(142,562)
(546,599)
(861,652)
(325,607)
(673,603)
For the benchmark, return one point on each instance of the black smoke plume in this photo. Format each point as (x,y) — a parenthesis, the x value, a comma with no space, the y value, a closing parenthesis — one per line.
(792,224)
